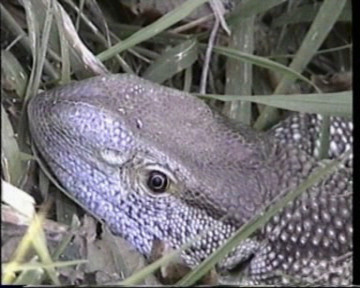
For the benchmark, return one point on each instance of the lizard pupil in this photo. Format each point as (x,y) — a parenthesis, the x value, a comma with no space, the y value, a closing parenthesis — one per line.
(157,181)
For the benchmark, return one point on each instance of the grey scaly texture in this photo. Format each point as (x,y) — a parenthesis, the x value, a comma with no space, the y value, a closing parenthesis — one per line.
(106,137)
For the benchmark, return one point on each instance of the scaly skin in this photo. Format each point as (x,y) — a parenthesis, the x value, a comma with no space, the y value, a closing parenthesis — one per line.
(104,137)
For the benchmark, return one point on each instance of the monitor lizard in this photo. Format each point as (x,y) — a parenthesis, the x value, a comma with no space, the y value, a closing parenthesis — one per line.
(157,163)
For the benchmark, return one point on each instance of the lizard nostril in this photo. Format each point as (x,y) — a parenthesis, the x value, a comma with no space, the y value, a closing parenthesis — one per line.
(139,124)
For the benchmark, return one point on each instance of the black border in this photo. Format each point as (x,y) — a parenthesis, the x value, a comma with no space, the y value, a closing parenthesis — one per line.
(356,102)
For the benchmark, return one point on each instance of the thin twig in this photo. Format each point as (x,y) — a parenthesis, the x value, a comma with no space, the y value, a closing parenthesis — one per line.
(208,55)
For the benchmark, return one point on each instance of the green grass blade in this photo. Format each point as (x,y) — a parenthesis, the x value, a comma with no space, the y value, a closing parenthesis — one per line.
(11,160)
(8,20)
(307,13)
(242,39)
(151,30)
(14,73)
(39,44)
(331,104)
(34,266)
(64,47)
(172,62)
(40,245)
(30,277)
(35,226)
(262,62)
(326,18)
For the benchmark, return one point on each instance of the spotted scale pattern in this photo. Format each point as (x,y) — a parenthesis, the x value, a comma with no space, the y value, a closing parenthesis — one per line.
(309,230)
(304,130)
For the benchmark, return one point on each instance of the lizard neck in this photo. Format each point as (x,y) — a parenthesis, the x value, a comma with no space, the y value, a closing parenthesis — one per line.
(281,170)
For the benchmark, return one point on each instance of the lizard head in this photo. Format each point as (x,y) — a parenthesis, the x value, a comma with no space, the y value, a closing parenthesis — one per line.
(153,162)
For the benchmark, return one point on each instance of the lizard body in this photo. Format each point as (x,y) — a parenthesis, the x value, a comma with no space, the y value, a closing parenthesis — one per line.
(157,163)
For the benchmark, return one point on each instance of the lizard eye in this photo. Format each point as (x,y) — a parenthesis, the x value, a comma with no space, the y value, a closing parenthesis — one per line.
(158,182)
